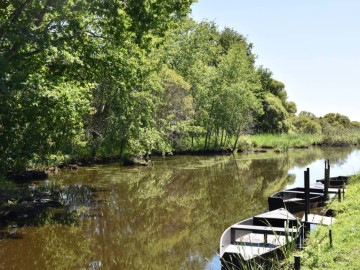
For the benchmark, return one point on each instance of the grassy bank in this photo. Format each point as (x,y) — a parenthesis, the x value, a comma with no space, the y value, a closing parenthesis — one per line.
(283,142)
(343,254)
(278,142)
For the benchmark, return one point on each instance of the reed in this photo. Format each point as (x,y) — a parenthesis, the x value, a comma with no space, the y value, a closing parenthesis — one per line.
(285,141)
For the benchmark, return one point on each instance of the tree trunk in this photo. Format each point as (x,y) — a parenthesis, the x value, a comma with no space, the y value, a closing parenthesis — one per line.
(222,138)
(236,138)
(208,130)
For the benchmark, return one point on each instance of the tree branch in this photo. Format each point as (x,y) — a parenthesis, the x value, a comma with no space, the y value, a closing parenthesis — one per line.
(14,17)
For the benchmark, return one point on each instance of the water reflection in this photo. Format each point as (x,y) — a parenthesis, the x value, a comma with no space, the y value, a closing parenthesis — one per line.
(170,216)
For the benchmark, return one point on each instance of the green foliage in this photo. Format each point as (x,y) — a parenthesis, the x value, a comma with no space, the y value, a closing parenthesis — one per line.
(275,115)
(75,78)
(337,120)
(245,143)
(307,124)
(84,79)
(277,110)
(285,141)
(343,254)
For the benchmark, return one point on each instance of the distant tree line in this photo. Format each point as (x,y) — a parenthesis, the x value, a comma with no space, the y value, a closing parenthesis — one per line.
(100,78)
(307,122)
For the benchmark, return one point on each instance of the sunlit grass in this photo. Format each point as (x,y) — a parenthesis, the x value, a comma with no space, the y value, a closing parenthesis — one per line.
(285,141)
(343,254)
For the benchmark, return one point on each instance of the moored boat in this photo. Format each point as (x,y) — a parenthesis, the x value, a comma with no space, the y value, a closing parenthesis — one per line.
(336,182)
(294,199)
(257,238)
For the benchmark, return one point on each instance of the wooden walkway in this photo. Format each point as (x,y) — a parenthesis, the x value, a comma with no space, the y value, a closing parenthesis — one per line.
(319,220)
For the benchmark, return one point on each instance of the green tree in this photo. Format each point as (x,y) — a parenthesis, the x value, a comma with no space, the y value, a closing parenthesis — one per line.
(75,66)
(236,105)
(175,114)
(307,123)
(277,109)
(336,119)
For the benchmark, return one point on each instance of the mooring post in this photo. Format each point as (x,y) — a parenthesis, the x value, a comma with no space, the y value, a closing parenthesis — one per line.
(307,201)
(330,238)
(307,190)
(339,195)
(297,262)
(306,198)
(327,179)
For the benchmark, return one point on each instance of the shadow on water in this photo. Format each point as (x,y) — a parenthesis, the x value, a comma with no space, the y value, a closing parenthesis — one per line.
(47,203)
(169,216)
(9,235)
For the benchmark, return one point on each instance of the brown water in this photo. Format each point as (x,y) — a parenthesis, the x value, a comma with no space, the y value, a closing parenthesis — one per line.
(169,216)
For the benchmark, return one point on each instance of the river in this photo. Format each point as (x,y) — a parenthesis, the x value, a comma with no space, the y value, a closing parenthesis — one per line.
(168,216)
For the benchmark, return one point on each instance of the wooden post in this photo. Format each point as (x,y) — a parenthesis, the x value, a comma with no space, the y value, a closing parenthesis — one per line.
(339,195)
(307,190)
(330,238)
(343,191)
(327,179)
(297,262)
(306,212)
(232,236)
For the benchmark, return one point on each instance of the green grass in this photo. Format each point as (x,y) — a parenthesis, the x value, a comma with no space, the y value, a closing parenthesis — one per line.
(344,253)
(285,141)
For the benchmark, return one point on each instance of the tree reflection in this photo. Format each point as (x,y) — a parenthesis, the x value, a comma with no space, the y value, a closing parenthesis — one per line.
(170,216)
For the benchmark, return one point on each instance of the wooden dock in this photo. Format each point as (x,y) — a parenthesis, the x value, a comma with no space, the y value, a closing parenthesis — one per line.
(319,220)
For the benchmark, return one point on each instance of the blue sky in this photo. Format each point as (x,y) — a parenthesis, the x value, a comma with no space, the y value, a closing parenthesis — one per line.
(313,47)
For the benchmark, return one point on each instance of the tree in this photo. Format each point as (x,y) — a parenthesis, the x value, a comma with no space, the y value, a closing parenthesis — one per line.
(234,102)
(307,123)
(335,119)
(277,109)
(175,113)
(87,60)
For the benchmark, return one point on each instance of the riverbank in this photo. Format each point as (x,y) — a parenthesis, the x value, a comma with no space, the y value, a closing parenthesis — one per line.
(246,143)
(285,141)
(343,254)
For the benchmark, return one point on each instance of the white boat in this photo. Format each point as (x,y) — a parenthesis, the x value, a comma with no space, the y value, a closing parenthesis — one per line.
(259,237)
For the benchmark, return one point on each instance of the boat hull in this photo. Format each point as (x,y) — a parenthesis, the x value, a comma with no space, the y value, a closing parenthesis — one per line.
(268,236)
(293,200)
(336,182)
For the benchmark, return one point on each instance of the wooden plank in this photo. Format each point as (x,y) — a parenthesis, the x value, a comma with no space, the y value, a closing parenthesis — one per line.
(330,190)
(319,220)
(280,214)
(252,245)
(264,229)
(293,200)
